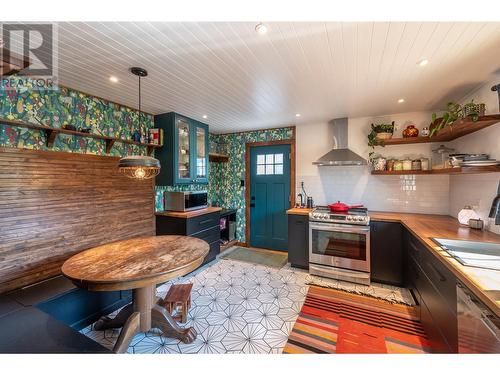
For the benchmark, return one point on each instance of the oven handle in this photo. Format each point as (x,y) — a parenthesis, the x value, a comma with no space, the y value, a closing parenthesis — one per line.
(341,272)
(339,228)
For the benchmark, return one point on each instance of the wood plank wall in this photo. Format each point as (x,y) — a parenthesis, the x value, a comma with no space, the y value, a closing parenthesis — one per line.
(55,204)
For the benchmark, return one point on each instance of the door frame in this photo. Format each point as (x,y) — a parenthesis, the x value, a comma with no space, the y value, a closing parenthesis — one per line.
(248,147)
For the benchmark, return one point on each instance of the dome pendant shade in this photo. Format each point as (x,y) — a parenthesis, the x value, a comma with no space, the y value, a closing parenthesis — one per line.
(139,167)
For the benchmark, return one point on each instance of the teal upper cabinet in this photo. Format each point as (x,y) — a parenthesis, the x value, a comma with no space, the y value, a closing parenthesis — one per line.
(184,157)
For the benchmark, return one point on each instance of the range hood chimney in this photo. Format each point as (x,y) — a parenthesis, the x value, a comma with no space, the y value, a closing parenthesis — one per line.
(340,155)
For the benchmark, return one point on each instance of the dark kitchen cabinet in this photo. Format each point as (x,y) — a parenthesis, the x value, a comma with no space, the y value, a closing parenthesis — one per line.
(434,287)
(386,252)
(184,159)
(205,227)
(298,240)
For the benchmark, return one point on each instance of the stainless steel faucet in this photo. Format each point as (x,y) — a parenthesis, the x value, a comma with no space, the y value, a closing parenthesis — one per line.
(495,207)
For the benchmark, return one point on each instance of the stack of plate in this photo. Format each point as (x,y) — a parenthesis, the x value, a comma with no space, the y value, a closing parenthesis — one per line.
(479,163)
(472,160)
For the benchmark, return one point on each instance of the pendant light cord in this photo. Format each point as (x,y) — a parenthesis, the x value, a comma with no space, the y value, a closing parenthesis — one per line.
(140,103)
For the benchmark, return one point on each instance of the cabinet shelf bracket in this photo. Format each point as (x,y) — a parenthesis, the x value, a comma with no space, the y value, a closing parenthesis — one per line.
(109,145)
(50,135)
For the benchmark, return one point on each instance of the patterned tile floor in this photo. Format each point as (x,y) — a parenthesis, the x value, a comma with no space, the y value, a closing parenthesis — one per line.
(236,308)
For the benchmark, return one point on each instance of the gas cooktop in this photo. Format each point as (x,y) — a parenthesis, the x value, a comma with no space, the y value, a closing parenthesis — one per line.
(356,216)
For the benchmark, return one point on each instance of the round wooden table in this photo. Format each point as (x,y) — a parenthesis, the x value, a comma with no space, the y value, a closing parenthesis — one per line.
(138,264)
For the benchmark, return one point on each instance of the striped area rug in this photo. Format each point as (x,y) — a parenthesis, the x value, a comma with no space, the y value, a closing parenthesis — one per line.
(338,322)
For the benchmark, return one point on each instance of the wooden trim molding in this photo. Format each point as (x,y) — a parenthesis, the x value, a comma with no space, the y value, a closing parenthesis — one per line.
(248,146)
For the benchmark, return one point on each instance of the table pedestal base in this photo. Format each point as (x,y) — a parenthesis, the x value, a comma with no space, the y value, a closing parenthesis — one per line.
(140,316)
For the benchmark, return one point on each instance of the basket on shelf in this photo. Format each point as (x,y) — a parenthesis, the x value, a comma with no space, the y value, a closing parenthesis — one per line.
(383,136)
(473,109)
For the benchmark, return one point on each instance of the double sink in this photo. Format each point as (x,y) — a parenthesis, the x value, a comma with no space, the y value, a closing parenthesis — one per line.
(471,253)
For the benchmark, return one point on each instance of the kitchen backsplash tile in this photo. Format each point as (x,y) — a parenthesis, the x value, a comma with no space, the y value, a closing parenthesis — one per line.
(410,193)
(477,191)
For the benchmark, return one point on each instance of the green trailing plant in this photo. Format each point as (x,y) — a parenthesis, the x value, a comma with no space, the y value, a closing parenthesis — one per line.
(379,128)
(372,137)
(453,113)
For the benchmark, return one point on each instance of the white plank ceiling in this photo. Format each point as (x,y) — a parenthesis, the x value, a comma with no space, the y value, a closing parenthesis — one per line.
(243,80)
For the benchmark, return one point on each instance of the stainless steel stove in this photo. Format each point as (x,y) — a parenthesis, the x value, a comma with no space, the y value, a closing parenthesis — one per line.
(339,244)
(355,216)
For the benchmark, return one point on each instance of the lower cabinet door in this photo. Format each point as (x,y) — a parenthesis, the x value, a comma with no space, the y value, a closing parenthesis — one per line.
(386,252)
(298,240)
(436,339)
(443,331)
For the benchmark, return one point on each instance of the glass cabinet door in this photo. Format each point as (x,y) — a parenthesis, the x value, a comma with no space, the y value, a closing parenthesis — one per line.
(183,161)
(201,153)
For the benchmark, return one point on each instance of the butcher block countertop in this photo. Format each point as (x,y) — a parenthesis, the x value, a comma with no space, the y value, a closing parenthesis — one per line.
(189,214)
(484,283)
(299,211)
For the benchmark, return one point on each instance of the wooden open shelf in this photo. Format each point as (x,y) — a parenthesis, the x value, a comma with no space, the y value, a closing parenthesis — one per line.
(458,170)
(218,158)
(458,129)
(51,134)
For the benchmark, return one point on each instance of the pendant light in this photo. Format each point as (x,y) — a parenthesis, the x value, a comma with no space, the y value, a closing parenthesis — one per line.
(139,167)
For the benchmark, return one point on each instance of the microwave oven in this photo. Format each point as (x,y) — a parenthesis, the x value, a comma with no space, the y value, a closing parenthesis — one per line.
(185,200)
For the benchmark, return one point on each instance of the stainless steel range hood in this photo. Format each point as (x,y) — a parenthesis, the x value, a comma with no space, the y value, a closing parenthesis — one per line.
(340,155)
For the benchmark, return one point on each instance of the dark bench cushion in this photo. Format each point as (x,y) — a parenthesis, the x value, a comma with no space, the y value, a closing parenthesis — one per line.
(30,330)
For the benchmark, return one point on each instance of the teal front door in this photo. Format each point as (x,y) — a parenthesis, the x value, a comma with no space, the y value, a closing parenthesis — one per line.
(269,196)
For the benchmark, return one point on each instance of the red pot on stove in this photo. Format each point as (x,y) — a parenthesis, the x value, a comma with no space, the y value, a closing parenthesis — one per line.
(342,207)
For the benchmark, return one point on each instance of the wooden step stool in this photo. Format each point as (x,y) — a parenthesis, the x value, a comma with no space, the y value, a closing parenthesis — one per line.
(178,297)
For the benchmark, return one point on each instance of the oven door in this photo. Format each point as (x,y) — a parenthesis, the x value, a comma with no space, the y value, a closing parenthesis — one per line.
(340,245)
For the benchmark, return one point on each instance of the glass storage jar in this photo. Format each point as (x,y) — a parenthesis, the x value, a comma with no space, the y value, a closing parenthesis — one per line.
(407,165)
(440,157)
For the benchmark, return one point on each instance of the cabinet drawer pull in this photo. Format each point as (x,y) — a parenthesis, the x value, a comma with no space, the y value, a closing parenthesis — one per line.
(439,274)
(205,221)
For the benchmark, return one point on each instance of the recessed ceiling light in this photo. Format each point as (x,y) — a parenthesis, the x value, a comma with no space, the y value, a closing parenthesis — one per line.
(297,115)
(261,28)
(204,116)
(113,79)
(423,62)
(401,100)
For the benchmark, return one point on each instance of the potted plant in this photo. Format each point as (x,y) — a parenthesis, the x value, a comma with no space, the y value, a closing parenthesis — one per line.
(453,113)
(378,134)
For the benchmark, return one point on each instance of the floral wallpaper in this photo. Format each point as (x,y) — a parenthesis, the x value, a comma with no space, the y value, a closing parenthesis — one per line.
(225,178)
(66,106)
(224,185)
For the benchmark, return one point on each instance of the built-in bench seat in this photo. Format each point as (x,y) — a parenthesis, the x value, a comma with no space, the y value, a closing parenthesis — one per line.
(46,317)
